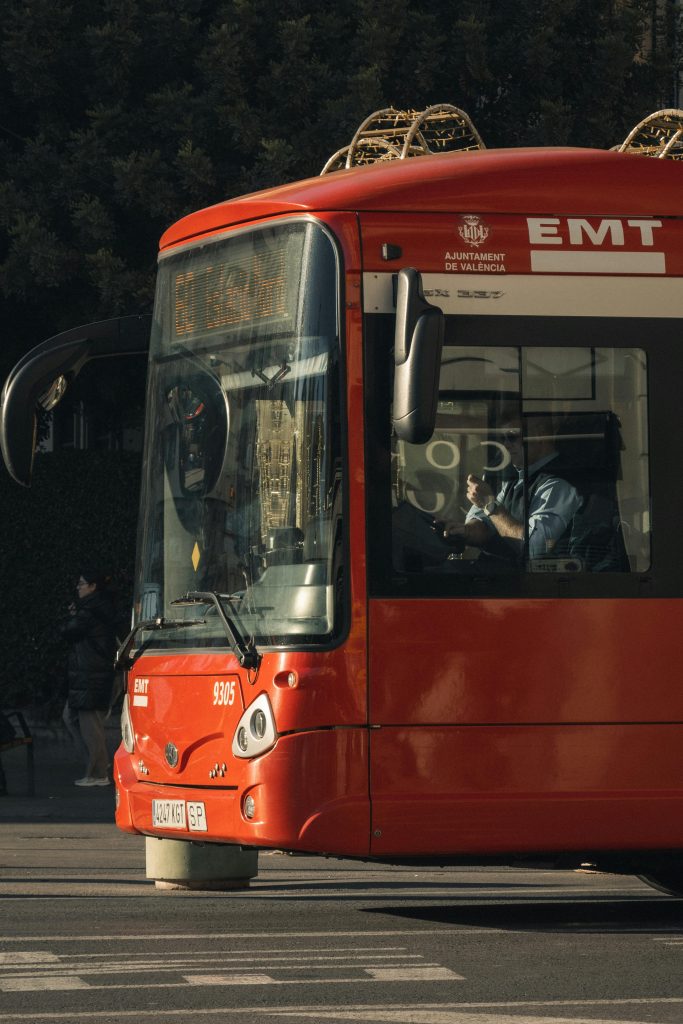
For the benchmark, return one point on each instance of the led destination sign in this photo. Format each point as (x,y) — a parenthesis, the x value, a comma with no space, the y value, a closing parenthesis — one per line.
(249,287)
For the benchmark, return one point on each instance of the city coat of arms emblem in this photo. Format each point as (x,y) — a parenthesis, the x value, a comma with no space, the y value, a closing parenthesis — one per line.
(472,229)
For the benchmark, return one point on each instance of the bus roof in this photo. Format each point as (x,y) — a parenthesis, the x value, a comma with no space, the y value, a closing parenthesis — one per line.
(534,181)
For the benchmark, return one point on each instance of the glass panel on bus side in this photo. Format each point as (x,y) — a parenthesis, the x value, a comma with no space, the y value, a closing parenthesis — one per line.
(538,463)
(594,399)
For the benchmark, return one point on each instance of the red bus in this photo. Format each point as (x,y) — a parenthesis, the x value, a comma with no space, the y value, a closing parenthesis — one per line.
(337,649)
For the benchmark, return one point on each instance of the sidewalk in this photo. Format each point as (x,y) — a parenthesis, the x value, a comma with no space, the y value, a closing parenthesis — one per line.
(57,765)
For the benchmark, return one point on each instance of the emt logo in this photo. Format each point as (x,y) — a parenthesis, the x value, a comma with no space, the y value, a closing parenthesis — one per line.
(140,693)
(595,246)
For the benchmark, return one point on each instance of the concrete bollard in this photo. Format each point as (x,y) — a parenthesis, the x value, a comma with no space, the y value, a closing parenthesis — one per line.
(180,864)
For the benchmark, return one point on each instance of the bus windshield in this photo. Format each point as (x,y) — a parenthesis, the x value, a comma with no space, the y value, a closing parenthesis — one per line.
(241,484)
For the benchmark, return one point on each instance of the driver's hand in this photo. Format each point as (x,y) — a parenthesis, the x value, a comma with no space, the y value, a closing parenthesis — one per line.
(478,491)
(455,535)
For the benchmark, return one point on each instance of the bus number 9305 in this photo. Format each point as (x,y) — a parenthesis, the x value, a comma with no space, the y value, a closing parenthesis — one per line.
(224,692)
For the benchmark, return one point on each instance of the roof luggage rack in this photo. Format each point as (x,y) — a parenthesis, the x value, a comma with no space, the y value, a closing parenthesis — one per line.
(398,134)
(658,135)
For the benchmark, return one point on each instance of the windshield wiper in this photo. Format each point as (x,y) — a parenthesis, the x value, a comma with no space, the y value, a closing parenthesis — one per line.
(123,657)
(245,650)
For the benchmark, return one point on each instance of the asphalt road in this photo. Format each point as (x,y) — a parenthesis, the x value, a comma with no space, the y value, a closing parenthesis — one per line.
(85,938)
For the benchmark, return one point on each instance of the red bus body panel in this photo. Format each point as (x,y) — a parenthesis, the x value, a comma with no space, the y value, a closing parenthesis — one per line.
(519,662)
(571,738)
(531,181)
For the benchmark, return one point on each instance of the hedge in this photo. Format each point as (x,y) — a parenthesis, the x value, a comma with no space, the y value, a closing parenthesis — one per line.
(81,509)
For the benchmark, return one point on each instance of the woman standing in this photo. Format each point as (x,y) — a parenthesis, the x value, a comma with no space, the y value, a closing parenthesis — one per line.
(90,632)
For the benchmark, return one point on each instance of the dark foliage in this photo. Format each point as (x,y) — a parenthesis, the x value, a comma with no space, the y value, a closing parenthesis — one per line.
(119,117)
(81,509)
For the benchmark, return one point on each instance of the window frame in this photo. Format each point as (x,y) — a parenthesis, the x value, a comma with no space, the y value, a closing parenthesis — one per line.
(656,337)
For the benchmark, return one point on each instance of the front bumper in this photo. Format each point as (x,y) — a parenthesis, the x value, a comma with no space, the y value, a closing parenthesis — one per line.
(310,793)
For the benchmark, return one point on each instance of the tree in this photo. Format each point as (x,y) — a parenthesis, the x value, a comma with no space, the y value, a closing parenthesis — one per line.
(120,117)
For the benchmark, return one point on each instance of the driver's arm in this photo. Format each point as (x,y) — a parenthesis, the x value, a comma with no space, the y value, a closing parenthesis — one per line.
(479,524)
(475,532)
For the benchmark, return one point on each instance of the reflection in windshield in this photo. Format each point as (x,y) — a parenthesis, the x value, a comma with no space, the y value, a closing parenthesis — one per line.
(200,433)
(242,475)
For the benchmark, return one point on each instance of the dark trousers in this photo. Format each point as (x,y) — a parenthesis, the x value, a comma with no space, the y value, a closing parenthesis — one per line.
(87,731)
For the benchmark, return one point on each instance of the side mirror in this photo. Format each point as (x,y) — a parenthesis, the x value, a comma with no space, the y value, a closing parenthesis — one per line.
(417,358)
(41,377)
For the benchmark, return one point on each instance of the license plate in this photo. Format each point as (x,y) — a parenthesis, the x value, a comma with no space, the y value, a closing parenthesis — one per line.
(178,815)
(168,814)
(196,817)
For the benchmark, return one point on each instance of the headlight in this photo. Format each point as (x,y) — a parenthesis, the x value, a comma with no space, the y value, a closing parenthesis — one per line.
(258,724)
(255,732)
(127,733)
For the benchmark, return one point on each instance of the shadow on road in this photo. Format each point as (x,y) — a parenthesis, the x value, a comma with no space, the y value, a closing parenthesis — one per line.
(630,915)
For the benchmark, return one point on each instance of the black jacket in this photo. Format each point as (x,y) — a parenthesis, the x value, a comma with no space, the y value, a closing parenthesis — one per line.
(90,667)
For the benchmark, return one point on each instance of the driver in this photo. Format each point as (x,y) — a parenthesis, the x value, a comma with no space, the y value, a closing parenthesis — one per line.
(495,522)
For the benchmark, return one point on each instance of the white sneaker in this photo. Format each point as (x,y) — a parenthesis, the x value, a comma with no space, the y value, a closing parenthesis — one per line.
(87,780)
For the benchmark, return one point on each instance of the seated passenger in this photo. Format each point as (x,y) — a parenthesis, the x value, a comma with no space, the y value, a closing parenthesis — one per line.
(495,523)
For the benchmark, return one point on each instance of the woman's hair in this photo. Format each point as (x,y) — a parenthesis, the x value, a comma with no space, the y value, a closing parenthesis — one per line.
(92,575)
